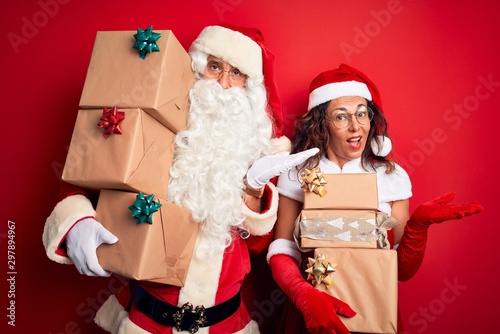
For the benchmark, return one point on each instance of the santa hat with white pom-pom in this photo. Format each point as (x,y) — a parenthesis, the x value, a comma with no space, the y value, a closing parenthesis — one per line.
(348,81)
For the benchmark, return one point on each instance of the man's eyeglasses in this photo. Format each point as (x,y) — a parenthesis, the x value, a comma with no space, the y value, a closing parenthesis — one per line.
(341,119)
(215,69)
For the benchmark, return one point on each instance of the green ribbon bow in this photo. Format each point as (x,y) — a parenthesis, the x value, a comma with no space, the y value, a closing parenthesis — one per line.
(145,41)
(143,208)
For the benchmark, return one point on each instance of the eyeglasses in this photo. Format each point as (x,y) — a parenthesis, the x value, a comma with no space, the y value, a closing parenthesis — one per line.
(341,119)
(215,70)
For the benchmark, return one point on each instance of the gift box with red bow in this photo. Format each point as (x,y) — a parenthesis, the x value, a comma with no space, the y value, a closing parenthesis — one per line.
(123,149)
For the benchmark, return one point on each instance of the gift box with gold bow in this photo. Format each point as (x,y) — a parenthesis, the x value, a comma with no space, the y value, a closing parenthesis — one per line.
(366,279)
(340,191)
(340,210)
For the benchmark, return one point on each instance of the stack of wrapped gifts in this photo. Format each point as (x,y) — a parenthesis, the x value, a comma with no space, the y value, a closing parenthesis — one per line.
(134,101)
(352,260)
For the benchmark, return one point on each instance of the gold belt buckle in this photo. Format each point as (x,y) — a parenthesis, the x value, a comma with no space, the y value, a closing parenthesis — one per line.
(200,321)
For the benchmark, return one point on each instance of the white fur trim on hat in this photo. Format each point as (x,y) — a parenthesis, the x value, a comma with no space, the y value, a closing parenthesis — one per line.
(262,223)
(335,90)
(65,214)
(281,144)
(386,146)
(284,246)
(233,47)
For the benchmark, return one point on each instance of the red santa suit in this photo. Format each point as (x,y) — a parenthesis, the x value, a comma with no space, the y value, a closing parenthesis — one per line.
(220,279)
(209,283)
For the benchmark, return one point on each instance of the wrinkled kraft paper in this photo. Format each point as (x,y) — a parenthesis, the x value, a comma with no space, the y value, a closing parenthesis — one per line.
(158,252)
(139,159)
(158,84)
(346,191)
(367,280)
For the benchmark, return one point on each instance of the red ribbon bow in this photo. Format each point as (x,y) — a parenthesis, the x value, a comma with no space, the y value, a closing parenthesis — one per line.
(110,121)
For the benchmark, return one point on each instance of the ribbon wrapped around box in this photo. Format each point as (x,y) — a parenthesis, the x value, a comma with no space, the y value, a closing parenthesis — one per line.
(136,158)
(159,251)
(337,228)
(356,191)
(158,82)
(366,279)
(343,228)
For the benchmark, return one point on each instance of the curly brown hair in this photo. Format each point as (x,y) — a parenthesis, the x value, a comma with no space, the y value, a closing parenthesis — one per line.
(311,131)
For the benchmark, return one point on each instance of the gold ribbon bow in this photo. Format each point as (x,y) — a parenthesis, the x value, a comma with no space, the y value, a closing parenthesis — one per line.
(314,181)
(319,270)
(384,223)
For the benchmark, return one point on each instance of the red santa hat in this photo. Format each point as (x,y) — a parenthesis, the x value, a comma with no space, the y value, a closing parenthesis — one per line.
(343,81)
(348,81)
(245,49)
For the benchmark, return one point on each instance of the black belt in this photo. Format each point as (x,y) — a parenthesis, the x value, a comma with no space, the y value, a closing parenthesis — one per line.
(187,317)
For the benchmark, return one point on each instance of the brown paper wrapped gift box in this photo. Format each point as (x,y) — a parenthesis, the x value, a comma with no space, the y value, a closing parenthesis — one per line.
(158,84)
(346,192)
(158,252)
(349,197)
(366,279)
(139,159)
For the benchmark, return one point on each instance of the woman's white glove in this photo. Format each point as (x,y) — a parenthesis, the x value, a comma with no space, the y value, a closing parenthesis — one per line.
(82,242)
(265,168)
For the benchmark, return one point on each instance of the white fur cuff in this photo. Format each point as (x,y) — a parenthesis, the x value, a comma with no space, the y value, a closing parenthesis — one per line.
(111,316)
(63,217)
(284,246)
(262,223)
(128,327)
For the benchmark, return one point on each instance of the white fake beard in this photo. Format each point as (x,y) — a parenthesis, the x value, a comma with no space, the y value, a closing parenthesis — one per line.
(223,138)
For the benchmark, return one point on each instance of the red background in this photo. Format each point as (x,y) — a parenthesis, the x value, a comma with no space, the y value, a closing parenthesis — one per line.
(426,57)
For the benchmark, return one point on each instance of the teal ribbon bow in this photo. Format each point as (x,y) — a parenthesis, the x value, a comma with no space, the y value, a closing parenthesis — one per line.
(145,41)
(143,208)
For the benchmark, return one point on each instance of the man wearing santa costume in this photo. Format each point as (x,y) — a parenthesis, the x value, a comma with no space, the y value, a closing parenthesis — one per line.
(224,161)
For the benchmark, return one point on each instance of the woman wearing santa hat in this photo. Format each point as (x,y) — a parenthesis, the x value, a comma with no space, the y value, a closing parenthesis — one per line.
(345,121)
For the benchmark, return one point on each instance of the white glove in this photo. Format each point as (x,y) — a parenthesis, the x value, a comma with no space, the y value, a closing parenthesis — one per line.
(265,168)
(81,243)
